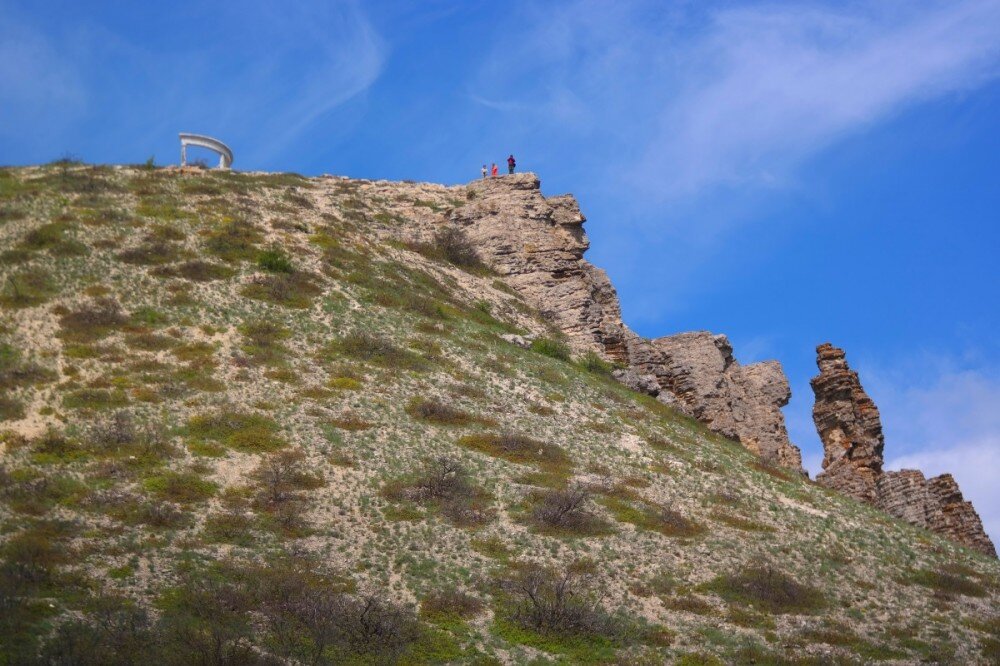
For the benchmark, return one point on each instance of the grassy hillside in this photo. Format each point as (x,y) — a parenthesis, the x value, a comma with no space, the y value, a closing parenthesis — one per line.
(243,422)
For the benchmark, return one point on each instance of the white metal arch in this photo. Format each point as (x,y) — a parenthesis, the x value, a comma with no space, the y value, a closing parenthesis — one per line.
(225,154)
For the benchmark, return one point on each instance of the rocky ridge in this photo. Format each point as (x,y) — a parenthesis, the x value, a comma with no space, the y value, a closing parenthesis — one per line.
(537,243)
(850,428)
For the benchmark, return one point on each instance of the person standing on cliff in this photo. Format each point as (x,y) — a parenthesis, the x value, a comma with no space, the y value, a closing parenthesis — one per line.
(511,164)
(494,171)
(484,171)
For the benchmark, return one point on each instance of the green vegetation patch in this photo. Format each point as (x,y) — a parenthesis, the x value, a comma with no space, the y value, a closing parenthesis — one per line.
(447,488)
(27,288)
(376,350)
(653,517)
(92,321)
(552,348)
(518,448)
(434,411)
(292,290)
(948,583)
(250,433)
(180,487)
(196,270)
(768,589)
(94,398)
(234,241)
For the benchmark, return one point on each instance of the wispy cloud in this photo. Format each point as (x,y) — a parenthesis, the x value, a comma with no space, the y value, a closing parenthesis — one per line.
(733,97)
(257,74)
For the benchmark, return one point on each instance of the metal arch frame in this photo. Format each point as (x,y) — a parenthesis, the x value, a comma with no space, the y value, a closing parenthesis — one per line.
(225,154)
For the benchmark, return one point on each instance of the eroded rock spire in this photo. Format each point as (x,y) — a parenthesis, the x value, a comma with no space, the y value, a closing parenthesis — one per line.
(850,428)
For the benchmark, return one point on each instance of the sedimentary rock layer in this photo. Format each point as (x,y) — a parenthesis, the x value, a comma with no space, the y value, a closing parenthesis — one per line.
(850,428)
(537,244)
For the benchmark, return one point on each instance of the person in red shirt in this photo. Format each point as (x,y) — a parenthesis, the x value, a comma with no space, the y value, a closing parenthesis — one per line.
(494,171)
(511,164)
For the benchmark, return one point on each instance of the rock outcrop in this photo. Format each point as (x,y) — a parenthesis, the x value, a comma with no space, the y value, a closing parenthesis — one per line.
(850,428)
(697,373)
(537,243)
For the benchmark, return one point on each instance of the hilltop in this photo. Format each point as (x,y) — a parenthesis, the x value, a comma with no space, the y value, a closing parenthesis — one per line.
(262,418)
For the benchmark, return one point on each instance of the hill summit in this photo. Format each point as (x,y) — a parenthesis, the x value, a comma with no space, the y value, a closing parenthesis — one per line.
(261,418)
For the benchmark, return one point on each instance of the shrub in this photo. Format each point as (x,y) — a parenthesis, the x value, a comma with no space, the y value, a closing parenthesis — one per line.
(948,583)
(565,512)
(274,261)
(592,362)
(653,517)
(119,434)
(517,448)
(450,605)
(180,487)
(115,632)
(436,412)
(196,270)
(234,241)
(553,348)
(250,433)
(557,602)
(766,588)
(283,473)
(263,341)
(27,289)
(377,350)
(150,253)
(92,398)
(11,409)
(92,321)
(445,486)
(293,290)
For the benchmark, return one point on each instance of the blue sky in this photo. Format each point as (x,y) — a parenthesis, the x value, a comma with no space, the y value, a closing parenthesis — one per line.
(785,173)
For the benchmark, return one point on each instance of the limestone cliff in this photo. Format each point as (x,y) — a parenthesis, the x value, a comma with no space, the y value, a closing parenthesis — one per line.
(850,428)
(537,243)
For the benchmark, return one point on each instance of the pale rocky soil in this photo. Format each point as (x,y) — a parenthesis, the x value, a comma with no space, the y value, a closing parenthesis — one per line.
(863,562)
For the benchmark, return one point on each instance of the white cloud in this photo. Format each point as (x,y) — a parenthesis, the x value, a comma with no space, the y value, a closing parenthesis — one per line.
(767,86)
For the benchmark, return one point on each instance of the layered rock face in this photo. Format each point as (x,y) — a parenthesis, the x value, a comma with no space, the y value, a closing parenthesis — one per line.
(537,244)
(850,428)
(697,373)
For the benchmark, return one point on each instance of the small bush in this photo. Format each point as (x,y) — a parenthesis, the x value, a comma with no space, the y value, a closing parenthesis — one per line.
(436,412)
(94,399)
(518,449)
(274,261)
(284,473)
(553,348)
(263,342)
(377,350)
(768,589)
(180,487)
(557,602)
(653,517)
(150,253)
(565,512)
(948,583)
(11,409)
(27,289)
(292,290)
(445,486)
(234,241)
(93,321)
(450,605)
(592,362)
(196,270)
(452,245)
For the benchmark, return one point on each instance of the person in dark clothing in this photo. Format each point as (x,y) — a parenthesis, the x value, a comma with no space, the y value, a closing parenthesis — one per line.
(511,164)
